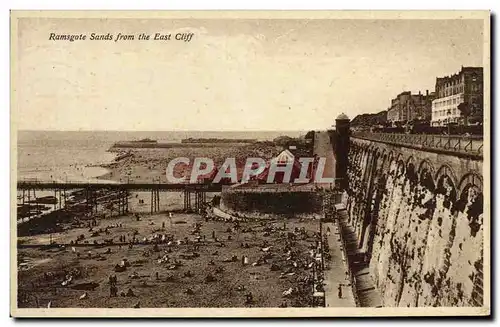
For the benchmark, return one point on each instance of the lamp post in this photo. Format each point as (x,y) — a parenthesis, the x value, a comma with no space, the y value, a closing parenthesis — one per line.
(449,119)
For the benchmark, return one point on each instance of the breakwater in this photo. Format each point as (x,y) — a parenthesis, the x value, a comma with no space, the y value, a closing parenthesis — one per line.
(418,217)
(155,145)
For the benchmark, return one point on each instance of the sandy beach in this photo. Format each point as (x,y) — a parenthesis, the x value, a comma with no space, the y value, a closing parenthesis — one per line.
(148,165)
(194,269)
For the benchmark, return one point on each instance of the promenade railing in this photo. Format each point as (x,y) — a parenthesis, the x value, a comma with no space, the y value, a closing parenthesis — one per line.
(466,144)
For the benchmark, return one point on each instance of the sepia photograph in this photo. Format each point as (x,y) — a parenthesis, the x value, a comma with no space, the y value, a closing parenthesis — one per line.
(250,163)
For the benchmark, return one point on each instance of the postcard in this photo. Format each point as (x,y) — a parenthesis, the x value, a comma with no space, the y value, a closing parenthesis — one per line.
(250,163)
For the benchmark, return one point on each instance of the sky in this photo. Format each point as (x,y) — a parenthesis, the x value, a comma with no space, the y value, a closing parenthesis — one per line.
(254,74)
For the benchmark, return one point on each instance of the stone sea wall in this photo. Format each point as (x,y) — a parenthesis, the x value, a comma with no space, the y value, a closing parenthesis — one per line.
(271,203)
(419,216)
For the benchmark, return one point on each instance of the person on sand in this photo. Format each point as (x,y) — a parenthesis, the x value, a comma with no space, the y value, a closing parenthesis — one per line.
(340,291)
(249,298)
(130,293)
(113,290)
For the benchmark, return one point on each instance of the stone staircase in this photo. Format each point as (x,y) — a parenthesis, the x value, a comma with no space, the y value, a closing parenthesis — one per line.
(367,294)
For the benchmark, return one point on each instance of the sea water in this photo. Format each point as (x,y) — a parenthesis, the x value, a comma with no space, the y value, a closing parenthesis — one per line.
(75,156)
(70,156)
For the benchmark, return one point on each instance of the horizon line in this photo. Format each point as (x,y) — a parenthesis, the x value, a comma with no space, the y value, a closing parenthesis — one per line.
(114,130)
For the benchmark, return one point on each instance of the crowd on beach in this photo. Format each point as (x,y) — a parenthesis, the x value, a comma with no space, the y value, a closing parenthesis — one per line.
(288,252)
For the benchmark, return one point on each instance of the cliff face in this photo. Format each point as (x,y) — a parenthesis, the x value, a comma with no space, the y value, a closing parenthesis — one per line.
(422,226)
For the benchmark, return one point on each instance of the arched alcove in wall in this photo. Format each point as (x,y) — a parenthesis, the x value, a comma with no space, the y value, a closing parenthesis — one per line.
(411,171)
(471,200)
(426,175)
(473,179)
(446,184)
(448,171)
(400,165)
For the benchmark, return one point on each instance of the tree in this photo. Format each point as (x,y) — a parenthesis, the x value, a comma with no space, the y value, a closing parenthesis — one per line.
(283,140)
(464,110)
(476,115)
(309,135)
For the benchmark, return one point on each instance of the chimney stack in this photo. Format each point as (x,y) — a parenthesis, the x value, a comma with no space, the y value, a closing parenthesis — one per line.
(427,92)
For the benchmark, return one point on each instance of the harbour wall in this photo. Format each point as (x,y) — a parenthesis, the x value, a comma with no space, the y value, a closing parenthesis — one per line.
(418,217)
(270,204)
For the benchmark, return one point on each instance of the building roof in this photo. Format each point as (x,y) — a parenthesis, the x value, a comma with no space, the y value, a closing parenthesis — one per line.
(284,157)
(342,116)
(448,78)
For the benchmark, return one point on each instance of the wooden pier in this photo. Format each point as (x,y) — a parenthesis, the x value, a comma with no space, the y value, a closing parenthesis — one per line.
(122,190)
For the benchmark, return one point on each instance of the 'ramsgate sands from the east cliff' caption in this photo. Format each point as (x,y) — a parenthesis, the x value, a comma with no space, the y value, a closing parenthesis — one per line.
(186,37)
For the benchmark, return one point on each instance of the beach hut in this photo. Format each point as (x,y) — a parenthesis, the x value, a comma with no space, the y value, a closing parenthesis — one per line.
(282,159)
